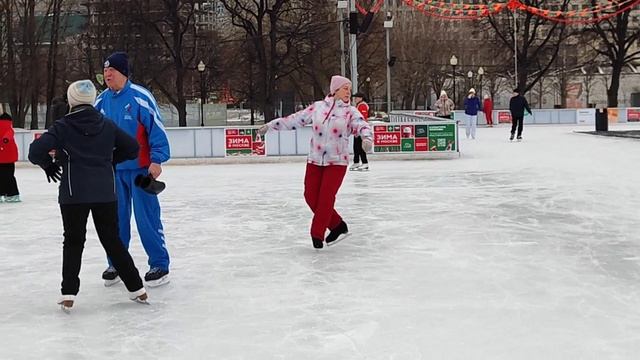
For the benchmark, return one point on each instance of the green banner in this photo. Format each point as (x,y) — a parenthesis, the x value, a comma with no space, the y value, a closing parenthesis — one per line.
(442,137)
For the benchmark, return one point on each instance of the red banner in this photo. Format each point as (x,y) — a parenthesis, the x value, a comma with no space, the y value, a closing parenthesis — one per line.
(633,115)
(504,117)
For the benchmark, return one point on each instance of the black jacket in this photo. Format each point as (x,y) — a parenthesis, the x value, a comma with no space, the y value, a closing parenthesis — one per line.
(517,105)
(87,146)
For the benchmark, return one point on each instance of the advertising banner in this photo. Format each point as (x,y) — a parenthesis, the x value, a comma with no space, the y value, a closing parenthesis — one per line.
(244,141)
(386,138)
(504,116)
(633,114)
(442,137)
(414,138)
(586,116)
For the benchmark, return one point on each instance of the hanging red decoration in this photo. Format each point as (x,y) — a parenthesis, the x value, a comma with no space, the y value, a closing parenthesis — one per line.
(457,11)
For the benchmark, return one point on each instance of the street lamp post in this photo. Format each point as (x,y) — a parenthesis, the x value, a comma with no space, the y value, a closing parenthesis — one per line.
(454,62)
(201,68)
(480,73)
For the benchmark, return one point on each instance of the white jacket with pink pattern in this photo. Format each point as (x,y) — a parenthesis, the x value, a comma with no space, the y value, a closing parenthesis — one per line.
(333,121)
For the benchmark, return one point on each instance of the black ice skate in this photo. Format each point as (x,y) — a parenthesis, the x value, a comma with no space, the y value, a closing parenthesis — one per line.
(156,277)
(511,137)
(317,243)
(338,234)
(110,276)
(519,138)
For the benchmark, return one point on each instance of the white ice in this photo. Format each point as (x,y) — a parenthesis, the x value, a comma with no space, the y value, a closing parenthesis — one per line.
(524,250)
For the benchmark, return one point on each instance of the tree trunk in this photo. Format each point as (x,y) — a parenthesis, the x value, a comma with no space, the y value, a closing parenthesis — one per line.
(52,63)
(34,109)
(612,91)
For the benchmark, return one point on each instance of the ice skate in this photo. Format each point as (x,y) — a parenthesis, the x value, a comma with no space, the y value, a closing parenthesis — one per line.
(66,303)
(110,276)
(12,199)
(511,137)
(317,243)
(139,296)
(355,166)
(519,138)
(338,234)
(156,277)
(364,167)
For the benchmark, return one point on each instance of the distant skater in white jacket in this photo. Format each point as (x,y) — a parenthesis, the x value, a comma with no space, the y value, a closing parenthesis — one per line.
(334,119)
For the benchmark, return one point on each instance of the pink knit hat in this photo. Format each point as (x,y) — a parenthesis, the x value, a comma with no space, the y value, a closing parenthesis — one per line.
(337,82)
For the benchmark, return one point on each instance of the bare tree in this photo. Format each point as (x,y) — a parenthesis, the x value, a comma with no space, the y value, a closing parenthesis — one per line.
(174,27)
(52,64)
(615,42)
(538,40)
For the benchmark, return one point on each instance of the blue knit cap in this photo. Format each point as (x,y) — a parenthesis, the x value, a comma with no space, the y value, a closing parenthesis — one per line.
(119,61)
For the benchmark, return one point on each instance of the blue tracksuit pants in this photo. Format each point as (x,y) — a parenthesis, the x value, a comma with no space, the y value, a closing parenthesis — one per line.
(146,209)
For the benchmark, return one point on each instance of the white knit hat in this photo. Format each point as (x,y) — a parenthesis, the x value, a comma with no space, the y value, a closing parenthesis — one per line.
(443,93)
(472,90)
(81,92)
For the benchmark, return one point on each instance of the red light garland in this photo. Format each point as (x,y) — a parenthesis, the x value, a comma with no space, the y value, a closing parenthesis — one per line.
(444,10)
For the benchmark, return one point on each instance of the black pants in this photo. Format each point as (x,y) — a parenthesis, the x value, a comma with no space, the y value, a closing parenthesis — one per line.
(105,219)
(8,184)
(519,122)
(358,152)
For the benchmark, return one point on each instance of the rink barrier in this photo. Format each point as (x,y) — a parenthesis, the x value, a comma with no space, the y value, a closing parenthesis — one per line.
(539,116)
(210,142)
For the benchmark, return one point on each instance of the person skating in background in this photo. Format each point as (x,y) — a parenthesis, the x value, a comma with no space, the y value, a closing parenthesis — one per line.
(87,147)
(471,108)
(134,110)
(8,158)
(444,106)
(487,108)
(517,106)
(333,120)
(358,152)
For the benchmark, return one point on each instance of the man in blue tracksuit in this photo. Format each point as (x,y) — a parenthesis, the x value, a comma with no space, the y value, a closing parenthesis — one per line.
(134,109)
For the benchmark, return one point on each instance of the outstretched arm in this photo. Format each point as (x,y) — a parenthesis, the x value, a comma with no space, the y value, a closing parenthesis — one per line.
(291,122)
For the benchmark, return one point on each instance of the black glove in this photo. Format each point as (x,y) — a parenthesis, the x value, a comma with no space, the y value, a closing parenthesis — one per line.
(149,184)
(54,172)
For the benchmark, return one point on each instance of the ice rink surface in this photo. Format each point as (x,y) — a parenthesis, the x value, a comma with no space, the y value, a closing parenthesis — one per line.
(514,251)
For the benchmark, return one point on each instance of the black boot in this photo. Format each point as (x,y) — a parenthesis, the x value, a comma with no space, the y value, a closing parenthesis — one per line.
(317,243)
(336,232)
(149,184)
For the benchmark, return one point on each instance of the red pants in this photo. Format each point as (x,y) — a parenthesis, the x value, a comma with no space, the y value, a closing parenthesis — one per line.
(321,184)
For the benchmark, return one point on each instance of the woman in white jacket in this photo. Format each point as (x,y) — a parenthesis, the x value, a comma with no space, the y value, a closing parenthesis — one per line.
(334,119)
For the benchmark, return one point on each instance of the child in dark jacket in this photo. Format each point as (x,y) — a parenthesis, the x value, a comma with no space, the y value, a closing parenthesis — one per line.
(87,148)
(8,158)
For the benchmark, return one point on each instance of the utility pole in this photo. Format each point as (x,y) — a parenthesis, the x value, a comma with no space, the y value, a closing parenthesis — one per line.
(515,44)
(341,6)
(353,48)
(388,25)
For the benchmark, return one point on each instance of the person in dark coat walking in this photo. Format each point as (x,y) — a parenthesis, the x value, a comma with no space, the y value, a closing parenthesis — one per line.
(517,105)
(358,152)
(87,148)
(8,158)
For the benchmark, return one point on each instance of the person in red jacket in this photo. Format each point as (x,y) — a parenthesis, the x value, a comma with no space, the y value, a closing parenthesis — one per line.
(8,158)
(488,110)
(358,153)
